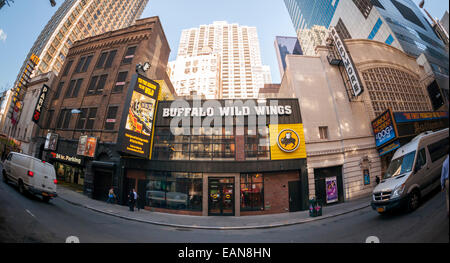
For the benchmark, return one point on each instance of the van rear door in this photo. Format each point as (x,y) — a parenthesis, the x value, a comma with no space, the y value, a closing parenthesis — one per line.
(45,173)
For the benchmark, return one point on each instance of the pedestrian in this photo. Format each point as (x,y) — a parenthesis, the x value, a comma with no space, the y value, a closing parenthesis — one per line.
(131,200)
(444,180)
(136,199)
(111,196)
(377,179)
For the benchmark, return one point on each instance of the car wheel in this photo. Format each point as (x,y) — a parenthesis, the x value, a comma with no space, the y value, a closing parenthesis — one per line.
(21,188)
(413,200)
(46,199)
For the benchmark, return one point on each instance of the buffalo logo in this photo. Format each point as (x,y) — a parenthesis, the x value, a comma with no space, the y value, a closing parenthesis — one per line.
(288,140)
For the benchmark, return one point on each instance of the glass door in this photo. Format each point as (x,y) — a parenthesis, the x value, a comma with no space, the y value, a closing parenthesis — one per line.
(221,196)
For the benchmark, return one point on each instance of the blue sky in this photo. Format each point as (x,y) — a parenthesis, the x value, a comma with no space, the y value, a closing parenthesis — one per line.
(21,23)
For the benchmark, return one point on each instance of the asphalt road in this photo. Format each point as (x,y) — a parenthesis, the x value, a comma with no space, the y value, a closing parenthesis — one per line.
(28,219)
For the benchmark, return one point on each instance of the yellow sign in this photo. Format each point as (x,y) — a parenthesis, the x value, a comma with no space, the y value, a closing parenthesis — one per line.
(287,141)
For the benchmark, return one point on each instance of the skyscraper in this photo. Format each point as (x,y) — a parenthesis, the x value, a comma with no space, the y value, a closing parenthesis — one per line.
(236,48)
(399,23)
(307,13)
(75,20)
(311,19)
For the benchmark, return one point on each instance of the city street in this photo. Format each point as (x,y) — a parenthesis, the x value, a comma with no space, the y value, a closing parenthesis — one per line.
(28,219)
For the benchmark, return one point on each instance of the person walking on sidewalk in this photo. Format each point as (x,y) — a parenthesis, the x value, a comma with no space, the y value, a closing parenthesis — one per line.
(131,200)
(136,199)
(444,180)
(111,196)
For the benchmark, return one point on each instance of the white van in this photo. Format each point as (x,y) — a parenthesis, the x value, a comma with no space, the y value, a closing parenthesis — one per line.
(414,171)
(30,174)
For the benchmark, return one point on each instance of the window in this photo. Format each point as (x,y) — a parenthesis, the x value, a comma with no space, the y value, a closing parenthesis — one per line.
(365,6)
(438,149)
(49,118)
(181,191)
(82,119)
(101,60)
(77,88)
(120,83)
(421,159)
(64,119)
(257,144)
(96,85)
(70,88)
(91,118)
(67,68)
(74,88)
(252,192)
(86,64)
(323,132)
(389,40)
(58,90)
(129,55)
(375,29)
(111,118)
(83,64)
(110,59)
(342,30)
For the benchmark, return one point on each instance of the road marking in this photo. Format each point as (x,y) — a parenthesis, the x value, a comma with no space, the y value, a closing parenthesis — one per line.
(28,211)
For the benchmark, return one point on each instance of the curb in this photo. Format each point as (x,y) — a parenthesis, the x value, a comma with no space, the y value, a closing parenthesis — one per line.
(301,221)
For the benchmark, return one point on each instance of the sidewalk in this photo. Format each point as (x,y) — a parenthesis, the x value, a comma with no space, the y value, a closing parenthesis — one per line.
(209,222)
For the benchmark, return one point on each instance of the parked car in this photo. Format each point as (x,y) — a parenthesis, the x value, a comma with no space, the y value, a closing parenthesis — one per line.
(414,171)
(31,175)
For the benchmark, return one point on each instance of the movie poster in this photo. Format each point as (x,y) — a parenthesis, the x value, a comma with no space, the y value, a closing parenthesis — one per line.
(87,146)
(332,190)
(138,119)
(91,145)
(82,145)
(51,141)
(141,113)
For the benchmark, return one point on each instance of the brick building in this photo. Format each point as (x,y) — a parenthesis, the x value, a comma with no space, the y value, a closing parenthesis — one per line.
(87,98)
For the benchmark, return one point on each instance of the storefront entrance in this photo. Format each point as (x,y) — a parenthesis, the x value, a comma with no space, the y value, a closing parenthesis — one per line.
(221,196)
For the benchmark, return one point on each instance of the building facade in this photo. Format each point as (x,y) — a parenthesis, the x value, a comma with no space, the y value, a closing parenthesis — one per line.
(233,167)
(200,74)
(88,97)
(75,20)
(396,22)
(26,129)
(399,23)
(339,136)
(311,38)
(241,73)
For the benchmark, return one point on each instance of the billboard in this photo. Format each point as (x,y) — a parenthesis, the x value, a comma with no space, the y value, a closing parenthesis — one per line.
(138,118)
(51,141)
(384,128)
(87,146)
